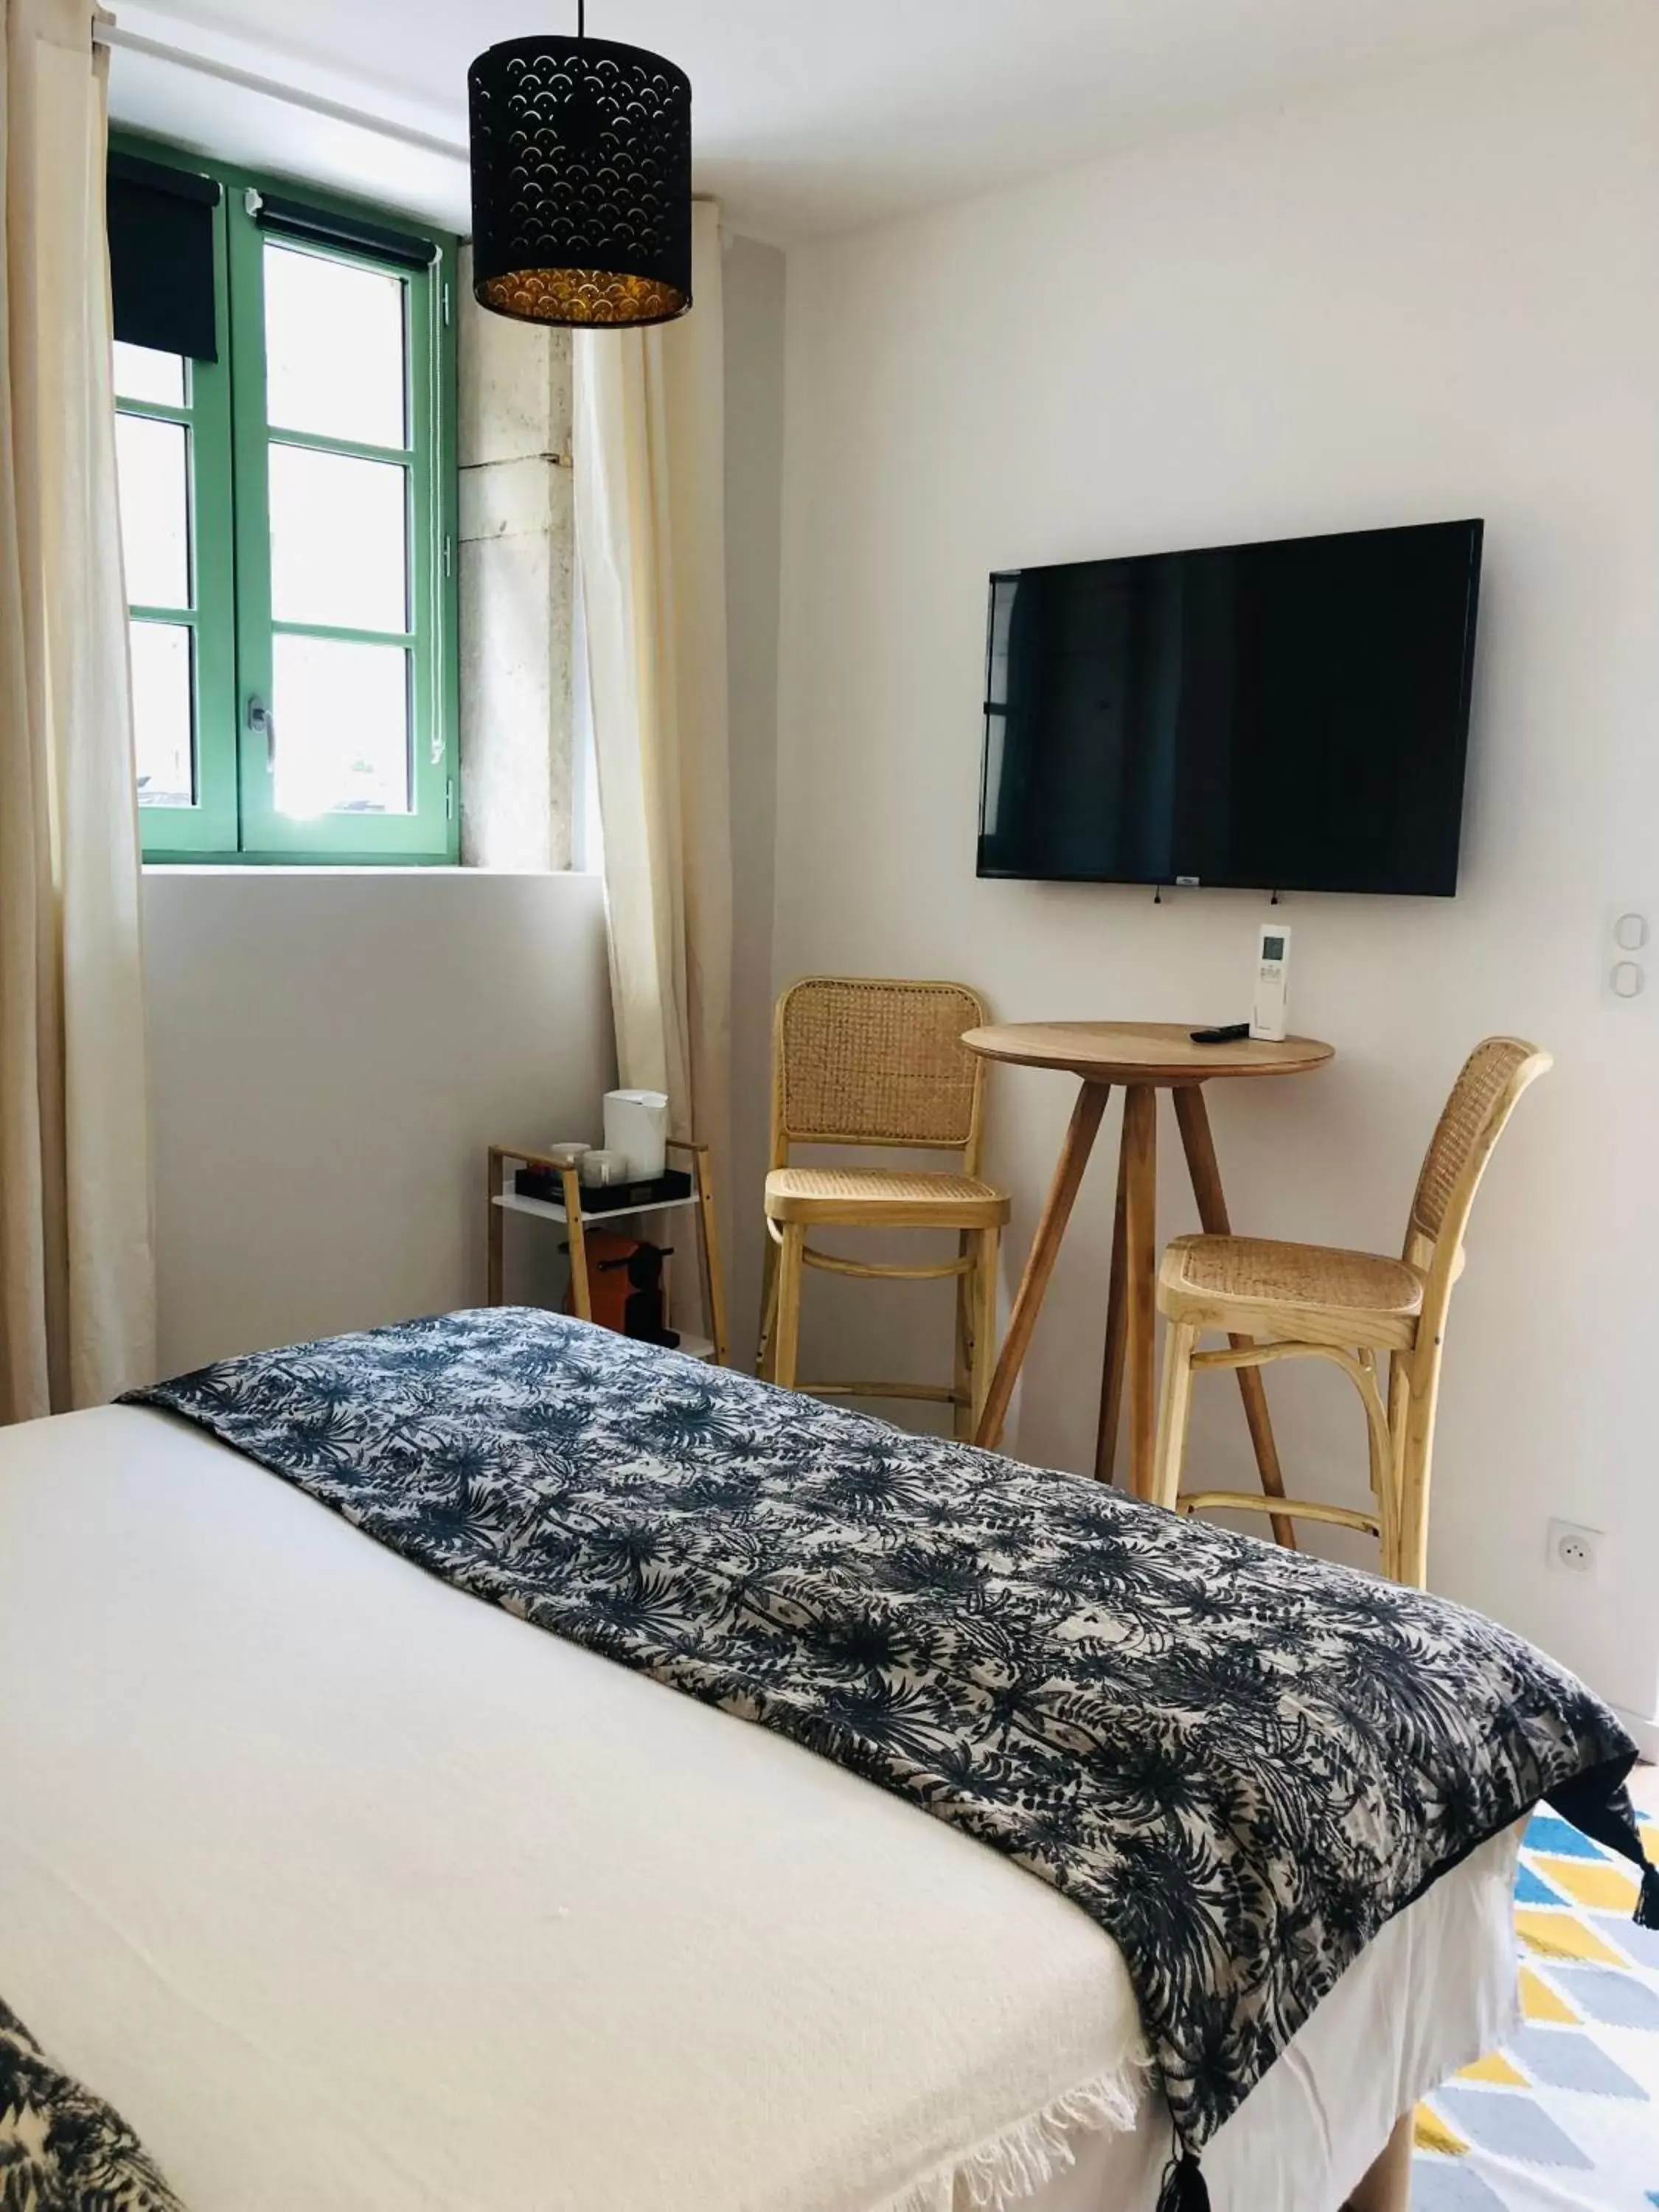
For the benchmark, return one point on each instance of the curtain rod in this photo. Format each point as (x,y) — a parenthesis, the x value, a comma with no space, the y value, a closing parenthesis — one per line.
(106,34)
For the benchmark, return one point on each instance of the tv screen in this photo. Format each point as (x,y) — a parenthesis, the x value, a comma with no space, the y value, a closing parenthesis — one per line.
(1291,716)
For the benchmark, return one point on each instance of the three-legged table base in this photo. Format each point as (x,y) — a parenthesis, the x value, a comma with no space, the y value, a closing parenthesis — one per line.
(1131,1309)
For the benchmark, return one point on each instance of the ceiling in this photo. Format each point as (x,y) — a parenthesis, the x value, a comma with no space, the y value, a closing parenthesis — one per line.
(809,118)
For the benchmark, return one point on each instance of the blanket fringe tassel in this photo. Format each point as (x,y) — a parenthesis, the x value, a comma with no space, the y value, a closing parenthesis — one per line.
(1598,1805)
(1009,2168)
(1185,2189)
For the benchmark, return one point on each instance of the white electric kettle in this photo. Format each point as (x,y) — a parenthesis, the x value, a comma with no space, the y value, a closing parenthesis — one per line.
(636,1124)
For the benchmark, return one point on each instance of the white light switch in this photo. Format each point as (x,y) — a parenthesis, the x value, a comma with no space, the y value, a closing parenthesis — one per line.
(1630,933)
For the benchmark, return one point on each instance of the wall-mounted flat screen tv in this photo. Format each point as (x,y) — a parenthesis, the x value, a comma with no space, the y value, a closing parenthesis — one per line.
(1289,716)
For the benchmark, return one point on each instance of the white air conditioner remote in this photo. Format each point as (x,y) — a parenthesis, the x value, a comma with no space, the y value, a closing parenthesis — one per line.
(1270,1009)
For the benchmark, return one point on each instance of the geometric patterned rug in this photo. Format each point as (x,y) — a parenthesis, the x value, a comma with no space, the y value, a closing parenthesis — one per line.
(1565,2118)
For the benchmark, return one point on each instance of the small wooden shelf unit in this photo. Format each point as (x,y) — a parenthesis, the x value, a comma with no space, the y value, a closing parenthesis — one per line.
(503,1159)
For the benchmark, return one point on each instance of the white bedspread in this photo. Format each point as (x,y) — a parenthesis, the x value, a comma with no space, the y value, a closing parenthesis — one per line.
(354,1894)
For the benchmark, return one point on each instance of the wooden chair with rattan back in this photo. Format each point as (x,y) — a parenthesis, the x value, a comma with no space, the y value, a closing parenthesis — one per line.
(869,1061)
(1288,1301)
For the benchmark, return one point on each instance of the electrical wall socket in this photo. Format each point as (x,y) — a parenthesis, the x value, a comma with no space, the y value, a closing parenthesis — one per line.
(1573,1550)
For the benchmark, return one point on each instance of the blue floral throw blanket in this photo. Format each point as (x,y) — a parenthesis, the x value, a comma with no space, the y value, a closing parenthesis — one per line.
(62,2149)
(1239,1760)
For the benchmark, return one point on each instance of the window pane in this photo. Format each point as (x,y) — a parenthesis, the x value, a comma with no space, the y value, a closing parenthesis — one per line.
(342,727)
(334,347)
(338,540)
(152,459)
(161,713)
(142,374)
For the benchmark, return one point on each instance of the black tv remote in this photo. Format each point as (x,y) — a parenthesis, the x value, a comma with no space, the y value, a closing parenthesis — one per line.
(1229,1034)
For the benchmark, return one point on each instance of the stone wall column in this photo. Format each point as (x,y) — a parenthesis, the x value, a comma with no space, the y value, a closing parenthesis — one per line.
(517,581)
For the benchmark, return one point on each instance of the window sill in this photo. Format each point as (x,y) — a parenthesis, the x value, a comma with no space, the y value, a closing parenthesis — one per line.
(400,868)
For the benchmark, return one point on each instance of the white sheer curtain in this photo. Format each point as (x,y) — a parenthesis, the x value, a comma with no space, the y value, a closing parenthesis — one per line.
(650,501)
(76,1264)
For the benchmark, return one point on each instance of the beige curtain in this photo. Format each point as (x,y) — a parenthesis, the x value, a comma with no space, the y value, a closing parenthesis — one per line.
(650,501)
(76,1267)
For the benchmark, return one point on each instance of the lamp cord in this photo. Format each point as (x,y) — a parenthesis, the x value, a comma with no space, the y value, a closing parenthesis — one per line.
(581,18)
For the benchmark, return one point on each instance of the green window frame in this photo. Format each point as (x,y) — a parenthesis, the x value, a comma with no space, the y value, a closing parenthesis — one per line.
(234,640)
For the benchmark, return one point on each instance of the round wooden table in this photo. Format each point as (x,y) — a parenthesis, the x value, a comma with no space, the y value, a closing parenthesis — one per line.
(1143,1058)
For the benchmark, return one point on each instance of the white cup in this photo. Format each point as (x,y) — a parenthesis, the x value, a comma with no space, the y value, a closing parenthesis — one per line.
(600,1169)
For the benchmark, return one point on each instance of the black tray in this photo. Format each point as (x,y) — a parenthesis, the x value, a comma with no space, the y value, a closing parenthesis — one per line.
(546,1184)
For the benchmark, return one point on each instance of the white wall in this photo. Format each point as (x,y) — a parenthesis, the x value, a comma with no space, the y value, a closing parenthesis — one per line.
(330,1051)
(1436,296)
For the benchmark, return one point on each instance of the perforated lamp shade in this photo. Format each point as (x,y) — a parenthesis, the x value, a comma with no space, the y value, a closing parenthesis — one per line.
(581,183)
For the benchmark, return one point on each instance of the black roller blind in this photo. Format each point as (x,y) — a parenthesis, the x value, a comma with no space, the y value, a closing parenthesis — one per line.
(295,219)
(160,257)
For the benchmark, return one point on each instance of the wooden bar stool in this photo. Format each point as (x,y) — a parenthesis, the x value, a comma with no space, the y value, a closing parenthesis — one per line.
(865,1062)
(1304,1301)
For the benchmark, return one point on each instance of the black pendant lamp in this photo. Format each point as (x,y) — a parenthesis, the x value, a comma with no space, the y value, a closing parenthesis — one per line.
(581,182)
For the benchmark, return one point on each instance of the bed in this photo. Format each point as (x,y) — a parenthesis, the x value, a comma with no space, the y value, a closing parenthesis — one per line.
(352,1893)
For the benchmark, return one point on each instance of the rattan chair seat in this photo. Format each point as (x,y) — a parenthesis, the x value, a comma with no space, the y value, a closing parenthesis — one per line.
(1260,1272)
(870,1195)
